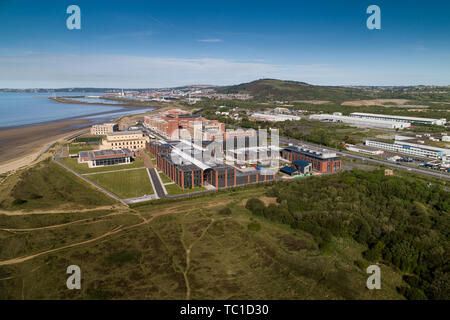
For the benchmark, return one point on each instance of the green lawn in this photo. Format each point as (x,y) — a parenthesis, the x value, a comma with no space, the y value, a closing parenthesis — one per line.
(164,178)
(83,167)
(173,189)
(75,149)
(125,184)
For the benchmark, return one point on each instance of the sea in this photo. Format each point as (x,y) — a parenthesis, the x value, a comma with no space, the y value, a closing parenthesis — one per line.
(19,109)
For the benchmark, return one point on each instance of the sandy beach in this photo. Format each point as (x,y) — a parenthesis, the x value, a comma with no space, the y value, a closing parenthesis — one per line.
(20,146)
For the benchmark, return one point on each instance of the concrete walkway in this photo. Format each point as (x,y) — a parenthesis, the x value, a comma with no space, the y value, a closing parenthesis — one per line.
(112,171)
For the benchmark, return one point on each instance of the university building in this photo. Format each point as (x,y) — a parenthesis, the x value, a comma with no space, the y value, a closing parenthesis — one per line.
(103,129)
(321,160)
(134,140)
(100,158)
(188,170)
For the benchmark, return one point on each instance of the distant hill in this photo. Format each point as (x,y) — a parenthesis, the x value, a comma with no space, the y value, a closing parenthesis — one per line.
(292,90)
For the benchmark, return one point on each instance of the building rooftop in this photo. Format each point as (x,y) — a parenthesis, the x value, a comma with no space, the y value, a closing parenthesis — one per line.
(392,116)
(105,154)
(118,133)
(317,153)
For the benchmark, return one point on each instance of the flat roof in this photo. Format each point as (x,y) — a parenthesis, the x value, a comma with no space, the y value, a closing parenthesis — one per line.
(118,133)
(393,116)
(105,154)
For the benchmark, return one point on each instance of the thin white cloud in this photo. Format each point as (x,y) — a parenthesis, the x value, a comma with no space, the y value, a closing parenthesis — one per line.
(52,70)
(209,40)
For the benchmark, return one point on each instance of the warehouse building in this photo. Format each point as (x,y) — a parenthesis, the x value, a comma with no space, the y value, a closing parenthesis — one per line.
(406,119)
(320,159)
(273,117)
(101,158)
(410,148)
(361,122)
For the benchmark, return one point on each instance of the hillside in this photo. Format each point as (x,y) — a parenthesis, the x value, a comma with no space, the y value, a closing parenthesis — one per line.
(281,90)
(292,90)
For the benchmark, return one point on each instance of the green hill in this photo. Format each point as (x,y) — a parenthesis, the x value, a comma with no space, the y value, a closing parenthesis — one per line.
(292,90)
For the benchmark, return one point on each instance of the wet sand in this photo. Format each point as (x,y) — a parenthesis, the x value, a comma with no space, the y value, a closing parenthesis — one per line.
(20,146)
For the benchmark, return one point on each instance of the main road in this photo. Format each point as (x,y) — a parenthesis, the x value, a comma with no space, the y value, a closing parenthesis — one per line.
(363,158)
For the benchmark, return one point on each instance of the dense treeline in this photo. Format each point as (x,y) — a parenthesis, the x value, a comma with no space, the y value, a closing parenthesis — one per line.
(403,222)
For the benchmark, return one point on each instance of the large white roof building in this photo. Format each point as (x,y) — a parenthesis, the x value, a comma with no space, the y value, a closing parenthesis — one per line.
(361,122)
(362,115)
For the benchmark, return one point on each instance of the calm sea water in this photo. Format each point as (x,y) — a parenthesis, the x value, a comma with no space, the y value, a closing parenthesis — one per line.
(18,109)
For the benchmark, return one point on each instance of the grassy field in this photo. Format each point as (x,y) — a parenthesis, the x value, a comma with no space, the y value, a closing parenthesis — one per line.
(182,249)
(125,184)
(47,185)
(164,178)
(173,189)
(76,148)
(83,167)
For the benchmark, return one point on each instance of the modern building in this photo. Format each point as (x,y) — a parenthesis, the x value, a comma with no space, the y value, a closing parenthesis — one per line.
(273,117)
(361,122)
(100,158)
(359,149)
(171,123)
(104,128)
(289,170)
(410,148)
(187,168)
(321,160)
(302,166)
(134,140)
(406,119)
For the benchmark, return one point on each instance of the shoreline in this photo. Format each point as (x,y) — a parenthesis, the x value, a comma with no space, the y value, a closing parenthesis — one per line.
(22,145)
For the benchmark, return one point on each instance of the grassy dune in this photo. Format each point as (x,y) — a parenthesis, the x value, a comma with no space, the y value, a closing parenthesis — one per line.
(47,185)
(188,250)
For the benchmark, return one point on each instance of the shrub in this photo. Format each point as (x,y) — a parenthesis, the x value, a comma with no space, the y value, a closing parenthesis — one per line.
(256,206)
(225,211)
(254,226)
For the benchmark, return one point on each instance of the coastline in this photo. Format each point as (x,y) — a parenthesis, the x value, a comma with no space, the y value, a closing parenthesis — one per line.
(21,145)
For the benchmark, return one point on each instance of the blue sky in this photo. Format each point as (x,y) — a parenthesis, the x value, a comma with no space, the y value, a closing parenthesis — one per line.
(129,44)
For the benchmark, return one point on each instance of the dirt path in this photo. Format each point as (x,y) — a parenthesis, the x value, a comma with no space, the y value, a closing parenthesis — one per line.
(62,210)
(109,233)
(188,259)
(147,160)
(60,225)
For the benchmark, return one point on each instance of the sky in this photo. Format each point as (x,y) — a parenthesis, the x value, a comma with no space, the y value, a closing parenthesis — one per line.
(154,44)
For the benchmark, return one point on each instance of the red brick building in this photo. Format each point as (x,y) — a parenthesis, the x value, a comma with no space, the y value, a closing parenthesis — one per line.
(321,160)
